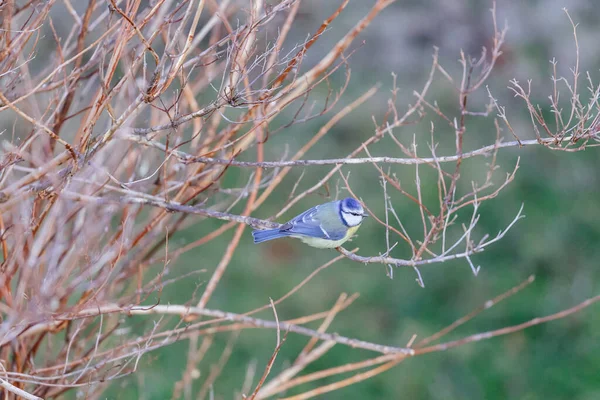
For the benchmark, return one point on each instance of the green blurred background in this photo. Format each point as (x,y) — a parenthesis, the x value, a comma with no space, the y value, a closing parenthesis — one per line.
(557,241)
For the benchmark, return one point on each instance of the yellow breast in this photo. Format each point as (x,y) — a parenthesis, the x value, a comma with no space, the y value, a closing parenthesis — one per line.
(329,244)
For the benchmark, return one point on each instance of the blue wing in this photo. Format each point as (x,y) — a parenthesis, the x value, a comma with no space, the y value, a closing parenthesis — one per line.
(310,223)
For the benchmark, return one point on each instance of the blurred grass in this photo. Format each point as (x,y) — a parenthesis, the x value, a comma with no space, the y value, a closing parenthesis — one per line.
(557,241)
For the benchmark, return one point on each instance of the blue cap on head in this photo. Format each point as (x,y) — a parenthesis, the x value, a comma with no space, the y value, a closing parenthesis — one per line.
(351,205)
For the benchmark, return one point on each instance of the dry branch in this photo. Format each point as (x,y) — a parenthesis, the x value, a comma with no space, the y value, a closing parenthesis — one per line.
(164,113)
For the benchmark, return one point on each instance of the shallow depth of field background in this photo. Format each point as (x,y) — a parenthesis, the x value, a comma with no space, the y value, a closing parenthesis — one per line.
(557,241)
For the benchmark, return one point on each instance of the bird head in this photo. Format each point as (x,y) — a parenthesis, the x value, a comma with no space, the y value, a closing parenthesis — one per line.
(352,212)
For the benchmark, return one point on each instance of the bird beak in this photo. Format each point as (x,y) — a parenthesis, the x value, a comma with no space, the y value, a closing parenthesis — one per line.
(365,215)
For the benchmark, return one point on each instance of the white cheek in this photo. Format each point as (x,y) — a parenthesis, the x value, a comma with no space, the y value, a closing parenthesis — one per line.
(352,220)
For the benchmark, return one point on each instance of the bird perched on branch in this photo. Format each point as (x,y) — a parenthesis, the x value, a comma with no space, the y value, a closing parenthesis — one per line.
(325,226)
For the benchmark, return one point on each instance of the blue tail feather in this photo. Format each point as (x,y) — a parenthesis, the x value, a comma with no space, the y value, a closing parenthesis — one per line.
(267,234)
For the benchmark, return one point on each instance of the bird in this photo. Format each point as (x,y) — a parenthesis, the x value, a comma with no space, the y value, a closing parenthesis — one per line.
(325,226)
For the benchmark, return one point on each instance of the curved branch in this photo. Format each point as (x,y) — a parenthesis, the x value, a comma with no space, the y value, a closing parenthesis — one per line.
(186,311)
(483,151)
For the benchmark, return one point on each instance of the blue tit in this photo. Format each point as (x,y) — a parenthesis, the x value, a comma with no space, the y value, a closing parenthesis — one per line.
(325,226)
